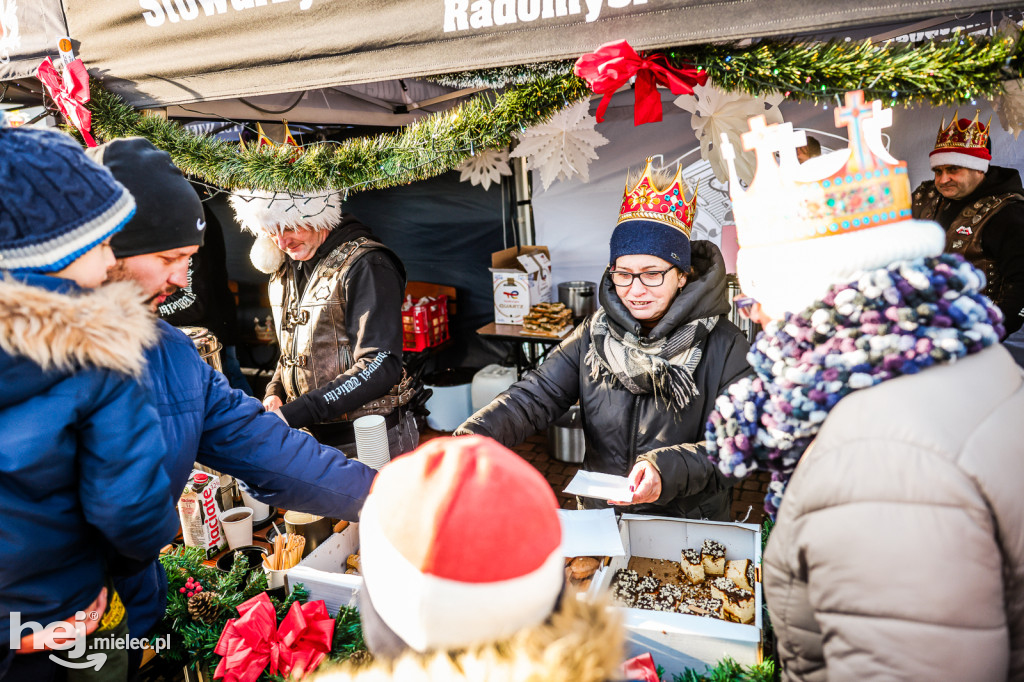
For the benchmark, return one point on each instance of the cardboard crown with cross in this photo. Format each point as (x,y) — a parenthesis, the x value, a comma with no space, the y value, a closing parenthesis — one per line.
(804,226)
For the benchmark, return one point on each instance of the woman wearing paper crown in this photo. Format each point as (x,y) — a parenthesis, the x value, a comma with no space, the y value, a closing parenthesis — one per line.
(647,366)
(888,416)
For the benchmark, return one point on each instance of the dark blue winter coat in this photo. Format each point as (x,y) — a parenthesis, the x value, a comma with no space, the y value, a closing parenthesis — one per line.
(205,420)
(80,445)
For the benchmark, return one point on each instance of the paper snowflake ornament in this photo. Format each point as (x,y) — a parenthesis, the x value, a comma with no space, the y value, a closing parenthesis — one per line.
(10,35)
(485,167)
(1010,105)
(563,147)
(716,111)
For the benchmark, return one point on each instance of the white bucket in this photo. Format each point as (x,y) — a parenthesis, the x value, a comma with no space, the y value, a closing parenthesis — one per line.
(489,382)
(452,401)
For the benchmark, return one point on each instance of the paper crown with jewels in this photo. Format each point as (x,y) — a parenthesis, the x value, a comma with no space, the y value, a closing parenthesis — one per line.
(646,201)
(802,227)
(962,143)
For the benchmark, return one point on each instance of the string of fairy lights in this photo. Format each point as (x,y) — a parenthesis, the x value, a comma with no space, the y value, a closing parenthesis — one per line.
(958,69)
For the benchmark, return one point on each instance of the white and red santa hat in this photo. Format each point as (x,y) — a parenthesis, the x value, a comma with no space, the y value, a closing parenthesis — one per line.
(266,214)
(460,545)
(962,143)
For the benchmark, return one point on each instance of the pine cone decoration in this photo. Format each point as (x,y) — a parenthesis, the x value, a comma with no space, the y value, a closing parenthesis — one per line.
(204,607)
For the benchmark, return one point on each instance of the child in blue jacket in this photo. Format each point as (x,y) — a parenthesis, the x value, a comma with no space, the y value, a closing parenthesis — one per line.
(80,442)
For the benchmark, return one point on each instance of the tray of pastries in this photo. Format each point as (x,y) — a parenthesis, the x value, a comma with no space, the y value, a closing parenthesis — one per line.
(548,319)
(701,583)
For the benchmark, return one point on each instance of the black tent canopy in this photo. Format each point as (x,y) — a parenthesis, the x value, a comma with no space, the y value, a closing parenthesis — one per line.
(158,53)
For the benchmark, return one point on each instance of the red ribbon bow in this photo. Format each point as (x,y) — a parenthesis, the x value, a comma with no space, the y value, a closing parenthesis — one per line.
(253,641)
(608,69)
(70,92)
(641,668)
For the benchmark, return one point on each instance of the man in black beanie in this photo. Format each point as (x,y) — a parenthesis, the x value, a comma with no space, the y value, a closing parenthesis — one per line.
(203,419)
(169,225)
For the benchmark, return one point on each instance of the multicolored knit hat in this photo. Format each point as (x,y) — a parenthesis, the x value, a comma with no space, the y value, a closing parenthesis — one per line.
(55,203)
(460,544)
(655,218)
(962,143)
(802,227)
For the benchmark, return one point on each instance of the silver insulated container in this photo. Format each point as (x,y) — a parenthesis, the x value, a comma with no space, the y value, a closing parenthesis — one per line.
(566,441)
(578,296)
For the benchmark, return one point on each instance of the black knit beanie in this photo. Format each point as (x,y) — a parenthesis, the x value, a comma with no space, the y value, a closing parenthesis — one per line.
(169,214)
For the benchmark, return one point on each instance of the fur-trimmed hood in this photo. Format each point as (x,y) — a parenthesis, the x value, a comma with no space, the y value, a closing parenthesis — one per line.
(57,326)
(581,642)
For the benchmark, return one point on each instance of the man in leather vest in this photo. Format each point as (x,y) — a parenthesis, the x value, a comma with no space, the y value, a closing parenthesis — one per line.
(336,294)
(981,207)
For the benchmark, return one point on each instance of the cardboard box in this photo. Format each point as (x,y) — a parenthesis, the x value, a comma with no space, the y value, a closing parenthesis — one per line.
(323,571)
(676,640)
(520,278)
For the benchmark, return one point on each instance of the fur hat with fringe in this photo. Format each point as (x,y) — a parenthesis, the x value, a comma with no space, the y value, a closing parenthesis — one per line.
(267,214)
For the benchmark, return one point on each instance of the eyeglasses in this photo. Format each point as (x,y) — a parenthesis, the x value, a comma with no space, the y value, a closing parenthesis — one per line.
(649,278)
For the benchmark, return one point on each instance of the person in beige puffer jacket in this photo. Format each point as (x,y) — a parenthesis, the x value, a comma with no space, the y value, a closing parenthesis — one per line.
(899,551)
(891,422)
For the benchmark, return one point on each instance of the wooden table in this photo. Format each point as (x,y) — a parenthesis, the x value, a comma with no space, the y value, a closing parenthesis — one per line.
(529,350)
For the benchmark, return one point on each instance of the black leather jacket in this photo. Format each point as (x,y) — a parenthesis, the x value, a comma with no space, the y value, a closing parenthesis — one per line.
(622,428)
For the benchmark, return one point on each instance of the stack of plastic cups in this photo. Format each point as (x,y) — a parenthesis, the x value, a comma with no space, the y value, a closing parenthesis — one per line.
(372,441)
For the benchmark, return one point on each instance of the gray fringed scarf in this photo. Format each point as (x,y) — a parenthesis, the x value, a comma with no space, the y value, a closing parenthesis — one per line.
(664,367)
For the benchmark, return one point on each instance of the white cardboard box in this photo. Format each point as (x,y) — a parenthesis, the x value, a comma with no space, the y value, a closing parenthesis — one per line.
(323,571)
(520,278)
(678,641)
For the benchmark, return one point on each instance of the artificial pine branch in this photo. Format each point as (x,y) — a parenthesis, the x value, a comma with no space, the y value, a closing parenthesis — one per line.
(191,642)
(728,670)
(348,634)
(421,150)
(957,69)
(941,72)
(299,594)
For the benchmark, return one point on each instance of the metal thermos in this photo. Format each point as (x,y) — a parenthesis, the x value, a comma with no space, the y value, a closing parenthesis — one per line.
(579,297)
(566,441)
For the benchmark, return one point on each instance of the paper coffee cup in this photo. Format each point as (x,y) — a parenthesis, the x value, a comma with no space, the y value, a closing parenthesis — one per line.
(237,525)
(276,578)
(260,511)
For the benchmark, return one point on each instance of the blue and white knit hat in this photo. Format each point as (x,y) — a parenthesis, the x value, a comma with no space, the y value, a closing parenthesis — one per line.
(55,203)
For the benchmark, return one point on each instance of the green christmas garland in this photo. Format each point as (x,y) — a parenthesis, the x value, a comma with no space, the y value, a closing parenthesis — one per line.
(941,72)
(423,149)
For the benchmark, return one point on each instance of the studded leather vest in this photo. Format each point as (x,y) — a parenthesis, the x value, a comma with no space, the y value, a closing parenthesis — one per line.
(315,345)
(963,236)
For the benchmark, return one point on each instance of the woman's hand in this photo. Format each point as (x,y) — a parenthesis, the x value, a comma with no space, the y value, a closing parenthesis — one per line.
(271,403)
(645,482)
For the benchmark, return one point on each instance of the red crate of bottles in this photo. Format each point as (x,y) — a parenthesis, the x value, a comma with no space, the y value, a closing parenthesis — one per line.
(425,325)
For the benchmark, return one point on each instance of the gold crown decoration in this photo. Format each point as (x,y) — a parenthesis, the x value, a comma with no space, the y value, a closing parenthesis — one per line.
(262,140)
(668,205)
(962,133)
(850,190)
